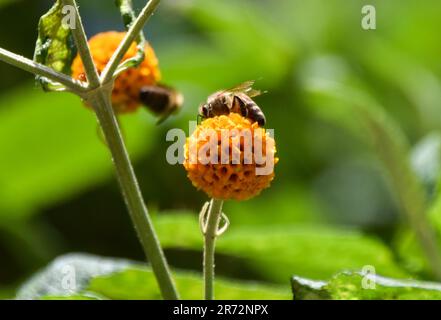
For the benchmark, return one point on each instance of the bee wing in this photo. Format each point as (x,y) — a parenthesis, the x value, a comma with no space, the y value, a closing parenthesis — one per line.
(243,87)
(254,93)
(247,88)
(164,116)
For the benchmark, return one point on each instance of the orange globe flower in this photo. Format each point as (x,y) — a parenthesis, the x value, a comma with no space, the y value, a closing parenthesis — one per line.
(230,157)
(125,94)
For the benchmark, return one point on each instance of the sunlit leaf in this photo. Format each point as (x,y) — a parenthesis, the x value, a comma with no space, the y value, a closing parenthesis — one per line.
(55,45)
(84,296)
(360,286)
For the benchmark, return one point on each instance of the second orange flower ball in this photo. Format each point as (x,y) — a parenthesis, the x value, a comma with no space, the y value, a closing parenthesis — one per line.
(125,95)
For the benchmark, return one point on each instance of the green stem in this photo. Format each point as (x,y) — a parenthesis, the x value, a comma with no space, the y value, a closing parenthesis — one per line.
(100,98)
(131,35)
(41,70)
(211,228)
(83,48)
(132,195)
(98,94)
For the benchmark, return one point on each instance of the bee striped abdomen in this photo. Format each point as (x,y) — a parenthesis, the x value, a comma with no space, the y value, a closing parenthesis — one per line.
(254,113)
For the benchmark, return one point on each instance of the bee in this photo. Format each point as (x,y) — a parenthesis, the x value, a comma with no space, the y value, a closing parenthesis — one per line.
(238,100)
(161,100)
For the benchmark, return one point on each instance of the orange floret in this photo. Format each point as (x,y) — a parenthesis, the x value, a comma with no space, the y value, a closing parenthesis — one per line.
(228,179)
(125,95)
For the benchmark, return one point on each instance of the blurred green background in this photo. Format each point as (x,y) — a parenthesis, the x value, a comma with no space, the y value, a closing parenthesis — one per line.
(334,204)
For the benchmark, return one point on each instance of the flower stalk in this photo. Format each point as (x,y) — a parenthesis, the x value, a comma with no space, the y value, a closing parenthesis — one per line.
(210,230)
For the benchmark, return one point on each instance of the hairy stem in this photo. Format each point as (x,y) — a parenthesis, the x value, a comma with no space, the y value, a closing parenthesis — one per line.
(132,195)
(98,94)
(41,70)
(83,48)
(211,228)
(100,98)
(131,35)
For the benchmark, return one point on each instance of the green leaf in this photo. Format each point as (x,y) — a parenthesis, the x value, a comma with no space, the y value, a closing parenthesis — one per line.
(84,296)
(51,149)
(349,286)
(311,251)
(105,278)
(55,46)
